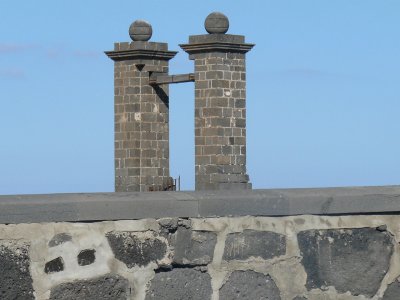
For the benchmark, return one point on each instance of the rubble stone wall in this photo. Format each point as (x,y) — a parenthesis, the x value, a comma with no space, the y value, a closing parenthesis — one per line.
(245,257)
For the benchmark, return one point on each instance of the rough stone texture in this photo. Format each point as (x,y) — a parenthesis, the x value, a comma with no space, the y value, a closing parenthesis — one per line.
(249,285)
(393,291)
(335,253)
(220,116)
(141,115)
(264,244)
(86,257)
(59,239)
(354,260)
(169,225)
(180,284)
(55,265)
(15,279)
(133,250)
(299,298)
(111,287)
(193,247)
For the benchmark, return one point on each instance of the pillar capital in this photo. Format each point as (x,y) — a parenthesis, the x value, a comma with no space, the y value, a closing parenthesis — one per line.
(137,50)
(216,24)
(225,43)
(140,32)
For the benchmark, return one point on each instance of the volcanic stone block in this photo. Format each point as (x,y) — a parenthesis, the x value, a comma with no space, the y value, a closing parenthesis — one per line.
(354,260)
(86,257)
(113,287)
(180,284)
(264,244)
(59,239)
(55,265)
(193,247)
(15,279)
(168,225)
(249,285)
(132,250)
(393,291)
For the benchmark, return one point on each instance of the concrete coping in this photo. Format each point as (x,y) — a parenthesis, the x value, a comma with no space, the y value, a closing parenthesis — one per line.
(130,206)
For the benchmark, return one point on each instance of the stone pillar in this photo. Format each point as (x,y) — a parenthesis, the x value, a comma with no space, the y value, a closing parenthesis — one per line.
(220,106)
(141,113)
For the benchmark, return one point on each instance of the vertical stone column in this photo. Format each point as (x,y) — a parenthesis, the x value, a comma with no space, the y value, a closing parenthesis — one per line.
(220,106)
(141,113)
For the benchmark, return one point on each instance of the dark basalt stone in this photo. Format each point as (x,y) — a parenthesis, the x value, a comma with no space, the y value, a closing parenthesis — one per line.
(55,265)
(249,285)
(193,247)
(264,244)
(112,287)
(15,279)
(393,291)
(59,239)
(354,260)
(180,284)
(86,257)
(131,250)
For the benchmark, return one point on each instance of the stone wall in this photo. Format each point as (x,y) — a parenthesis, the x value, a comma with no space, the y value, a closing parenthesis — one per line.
(293,244)
(293,257)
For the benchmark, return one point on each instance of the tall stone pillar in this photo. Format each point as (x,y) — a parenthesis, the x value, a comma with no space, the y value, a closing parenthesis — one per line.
(141,113)
(220,106)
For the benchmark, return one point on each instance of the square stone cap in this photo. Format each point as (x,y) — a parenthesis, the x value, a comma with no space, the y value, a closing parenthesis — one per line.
(140,45)
(216,37)
(216,43)
(140,50)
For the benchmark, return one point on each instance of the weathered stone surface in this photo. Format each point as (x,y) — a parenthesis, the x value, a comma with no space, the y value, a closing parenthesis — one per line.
(133,250)
(180,284)
(216,22)
(168,224)
(393,291)
(110,286)
(249,285)
(59,239)
(15,279)
(54,265)
(133,206)
(193,247)
(86,257)
(264,244)
(299,298)
(354,260)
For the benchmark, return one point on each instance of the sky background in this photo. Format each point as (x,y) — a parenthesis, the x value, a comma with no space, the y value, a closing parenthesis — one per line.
(323,90)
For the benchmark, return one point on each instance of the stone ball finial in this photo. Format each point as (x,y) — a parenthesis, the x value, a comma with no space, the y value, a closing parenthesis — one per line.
(140,30)
(216,22)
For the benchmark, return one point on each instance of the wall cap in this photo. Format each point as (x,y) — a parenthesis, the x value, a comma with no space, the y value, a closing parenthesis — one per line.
(130,206)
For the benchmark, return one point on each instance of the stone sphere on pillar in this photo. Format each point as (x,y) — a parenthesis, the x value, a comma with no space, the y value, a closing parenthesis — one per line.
(140,30)
(216,22)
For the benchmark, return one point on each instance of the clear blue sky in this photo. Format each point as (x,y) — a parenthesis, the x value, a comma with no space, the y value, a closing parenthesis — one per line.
(323,101)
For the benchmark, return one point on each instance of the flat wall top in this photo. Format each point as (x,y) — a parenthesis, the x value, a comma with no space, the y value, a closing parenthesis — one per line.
(128,206)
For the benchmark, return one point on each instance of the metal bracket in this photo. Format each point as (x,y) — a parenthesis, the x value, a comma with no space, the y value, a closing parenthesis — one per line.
(157,78)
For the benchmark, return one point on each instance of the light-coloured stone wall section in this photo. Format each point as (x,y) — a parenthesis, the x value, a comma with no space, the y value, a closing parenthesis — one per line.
(296,257)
